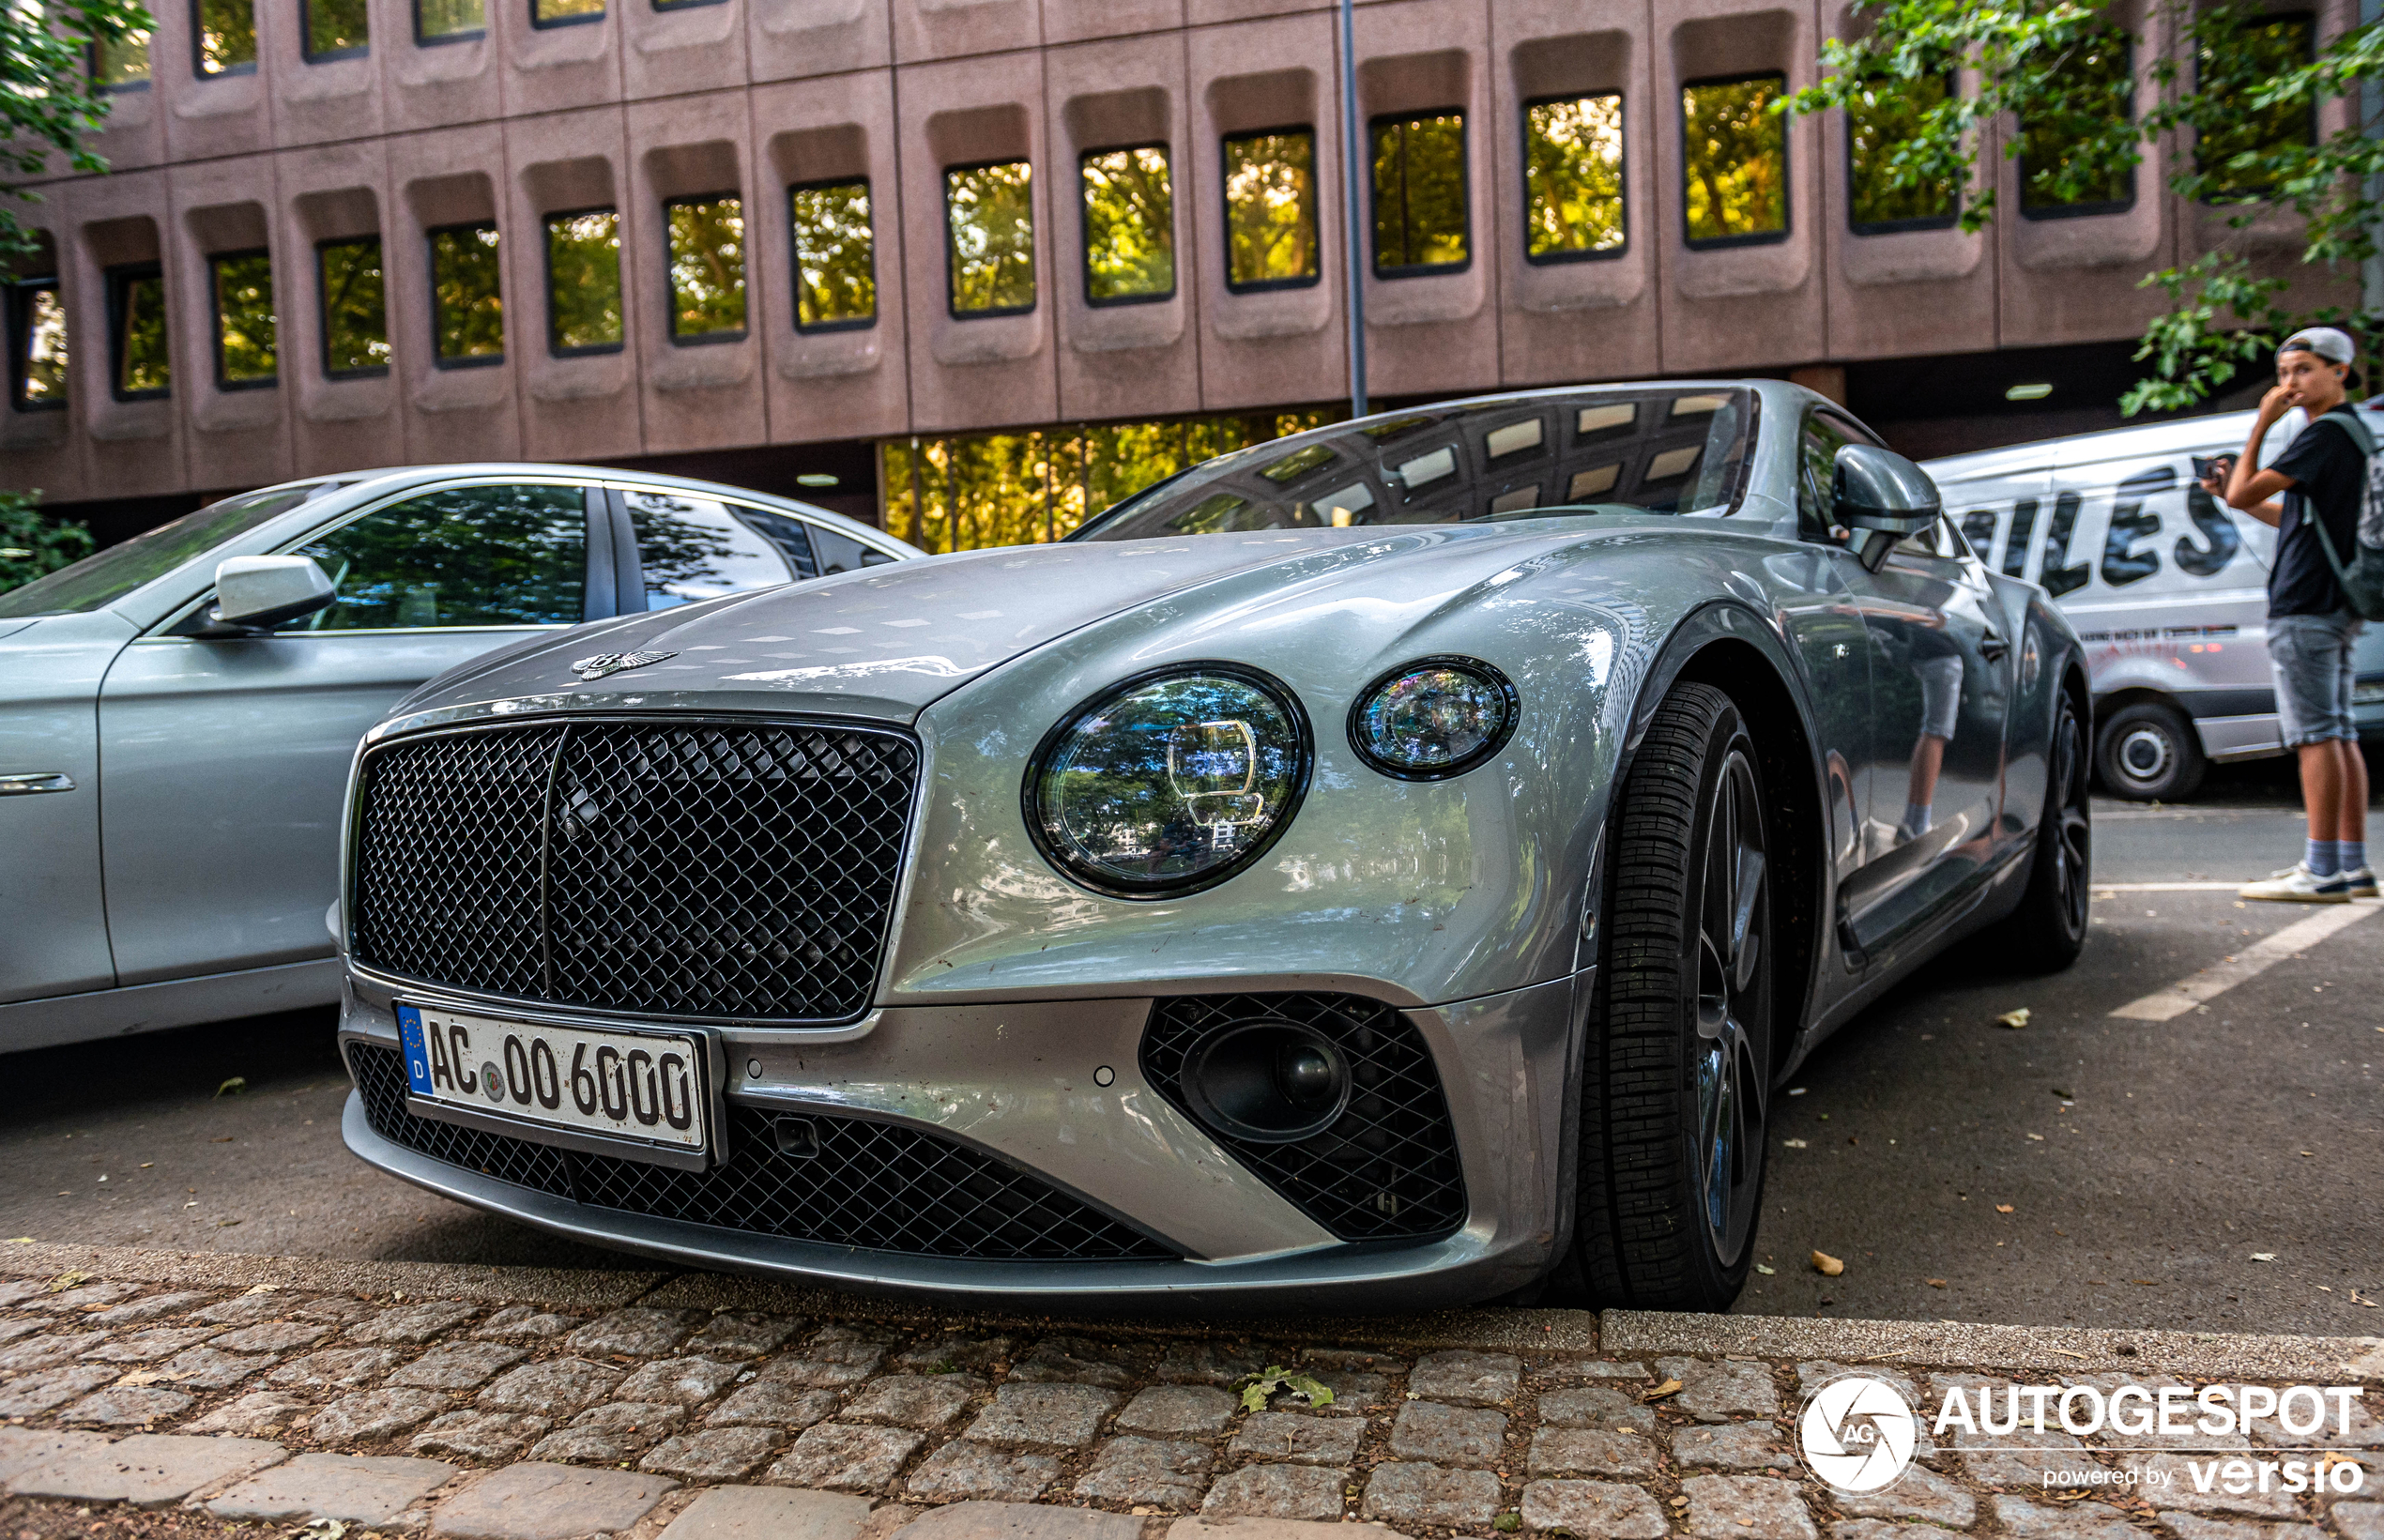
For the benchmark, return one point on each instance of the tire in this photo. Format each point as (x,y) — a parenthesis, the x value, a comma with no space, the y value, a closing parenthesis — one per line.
(2149,753)
(2045,934)
(1677,1078)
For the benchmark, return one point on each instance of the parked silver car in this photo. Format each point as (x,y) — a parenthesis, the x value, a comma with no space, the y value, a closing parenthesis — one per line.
(2167,585)
(1391,865)
(178,712)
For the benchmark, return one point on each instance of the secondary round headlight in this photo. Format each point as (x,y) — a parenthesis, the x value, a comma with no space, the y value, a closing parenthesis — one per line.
(1169,783)
(1432,717)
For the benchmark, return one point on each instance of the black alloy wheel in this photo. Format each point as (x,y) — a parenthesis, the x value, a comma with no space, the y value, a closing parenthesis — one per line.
(1677,1082)
(2048,931)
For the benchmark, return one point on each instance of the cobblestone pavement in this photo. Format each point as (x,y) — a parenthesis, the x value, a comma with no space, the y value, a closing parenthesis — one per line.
(525,1421)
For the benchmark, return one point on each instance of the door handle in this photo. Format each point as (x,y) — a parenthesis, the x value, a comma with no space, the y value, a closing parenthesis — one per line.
(1994,646)
(30,782)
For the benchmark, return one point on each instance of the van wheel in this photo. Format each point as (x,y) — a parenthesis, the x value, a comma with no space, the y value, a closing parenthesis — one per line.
(1678,1070)
(2149,753)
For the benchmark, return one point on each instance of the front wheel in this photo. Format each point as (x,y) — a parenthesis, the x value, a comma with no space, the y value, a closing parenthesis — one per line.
(2045,934)
(1678,1080)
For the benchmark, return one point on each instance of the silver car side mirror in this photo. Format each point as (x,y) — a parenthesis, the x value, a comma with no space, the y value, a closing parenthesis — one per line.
(1882,495)
(257,593)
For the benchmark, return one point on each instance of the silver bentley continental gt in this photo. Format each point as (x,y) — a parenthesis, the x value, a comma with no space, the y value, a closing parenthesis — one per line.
(1389,866)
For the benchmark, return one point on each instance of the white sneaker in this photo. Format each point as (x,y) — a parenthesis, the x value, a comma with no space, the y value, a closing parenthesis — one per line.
(2360,884)
(2299,885)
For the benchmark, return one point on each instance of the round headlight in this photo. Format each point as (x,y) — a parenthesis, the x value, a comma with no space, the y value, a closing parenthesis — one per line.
(1169,783)
(1432,717)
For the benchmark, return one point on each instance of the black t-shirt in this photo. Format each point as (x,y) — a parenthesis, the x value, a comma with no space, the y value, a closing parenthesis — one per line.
(2330,474)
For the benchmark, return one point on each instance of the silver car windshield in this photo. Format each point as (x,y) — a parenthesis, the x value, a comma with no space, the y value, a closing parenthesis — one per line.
(99,580)
(1640,450)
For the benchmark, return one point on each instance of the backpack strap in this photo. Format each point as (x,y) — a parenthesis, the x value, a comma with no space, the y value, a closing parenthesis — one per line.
(2363,440)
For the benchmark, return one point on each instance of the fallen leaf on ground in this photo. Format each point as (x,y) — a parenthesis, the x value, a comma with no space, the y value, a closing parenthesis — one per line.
(2264,1256)
(1793,1144)
(1765,1271)
(263,1289)
(2147,1283)
(1827,1265)
(233,1087)
(1669,1387)
(65,1281)
(1935,1283)
(2003,1207)
(1256,1388)
(2014,1019)
(143,1377)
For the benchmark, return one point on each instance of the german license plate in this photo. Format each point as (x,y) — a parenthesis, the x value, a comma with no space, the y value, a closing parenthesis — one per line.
(648,1087)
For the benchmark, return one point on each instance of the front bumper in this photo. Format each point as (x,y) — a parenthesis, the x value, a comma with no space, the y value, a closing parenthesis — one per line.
(1018,1083)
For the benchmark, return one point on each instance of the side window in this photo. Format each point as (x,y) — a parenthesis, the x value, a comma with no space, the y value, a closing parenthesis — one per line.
(694,548)
(462,556)
(841,553)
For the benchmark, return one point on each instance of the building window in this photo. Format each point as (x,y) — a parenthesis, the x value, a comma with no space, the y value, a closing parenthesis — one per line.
(582,282)
(565,12)
(36,345)
(139,369)
(334,29)
(2047,147)
(241,285)
(355,330)
(1573,178)
(835,256)
(989,241)
(122,64)
(1885,116)
(467,303)
(1734,160)
(1129,225)
(449,21)
(1270,210)
(223,36)
(707,267)
(1419,194)
(2262,48)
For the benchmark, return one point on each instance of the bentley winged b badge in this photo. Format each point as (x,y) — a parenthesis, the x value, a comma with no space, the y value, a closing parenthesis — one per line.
(616,663)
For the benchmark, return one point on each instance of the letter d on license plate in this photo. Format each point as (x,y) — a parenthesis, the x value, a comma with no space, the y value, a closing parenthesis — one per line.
(648,1088)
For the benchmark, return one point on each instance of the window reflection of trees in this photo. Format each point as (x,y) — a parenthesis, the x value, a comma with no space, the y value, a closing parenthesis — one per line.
(1270,210)
(467,305)
(1419,193)
(989,247)
(835,256)
(245,324)
(1734,168)
(1573,178)
(493,555)
(583,281)
(356,338)
(1129,225)
(708,268)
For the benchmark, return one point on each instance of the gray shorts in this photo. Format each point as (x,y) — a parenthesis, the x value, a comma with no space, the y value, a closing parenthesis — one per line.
(1940,695)
(2311,656)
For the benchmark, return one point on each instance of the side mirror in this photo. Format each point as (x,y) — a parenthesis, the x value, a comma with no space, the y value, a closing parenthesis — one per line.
(1882,495)
(254,594)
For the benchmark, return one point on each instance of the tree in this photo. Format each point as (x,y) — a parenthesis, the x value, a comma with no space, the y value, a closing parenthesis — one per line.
(2248,87)
(31,545)
(48,98)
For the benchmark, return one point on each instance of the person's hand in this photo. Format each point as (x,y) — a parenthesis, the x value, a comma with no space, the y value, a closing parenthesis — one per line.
(2222,469)
(2279,400)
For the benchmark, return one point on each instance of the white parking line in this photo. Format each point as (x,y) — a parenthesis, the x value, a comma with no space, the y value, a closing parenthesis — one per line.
(2166,887)
(2250,963)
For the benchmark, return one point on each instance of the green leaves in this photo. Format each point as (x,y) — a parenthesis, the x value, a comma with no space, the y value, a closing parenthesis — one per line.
(48,101)
(1257,1387)
(2088,98)
(31,545)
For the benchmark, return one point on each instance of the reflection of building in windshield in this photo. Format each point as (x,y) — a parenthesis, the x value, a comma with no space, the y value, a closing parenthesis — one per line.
(1641,451)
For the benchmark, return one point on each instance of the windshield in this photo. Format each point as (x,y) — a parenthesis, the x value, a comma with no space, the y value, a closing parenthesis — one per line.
(101,580)
(1636,450)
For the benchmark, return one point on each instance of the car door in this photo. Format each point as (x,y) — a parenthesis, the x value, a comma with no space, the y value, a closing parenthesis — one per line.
(1814,589)
(227,759)
(1940,688)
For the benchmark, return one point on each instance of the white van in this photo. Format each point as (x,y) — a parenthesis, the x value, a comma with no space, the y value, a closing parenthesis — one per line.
(2166,585)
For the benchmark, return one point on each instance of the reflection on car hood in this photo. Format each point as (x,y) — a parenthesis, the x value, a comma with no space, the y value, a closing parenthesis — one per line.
(882,643)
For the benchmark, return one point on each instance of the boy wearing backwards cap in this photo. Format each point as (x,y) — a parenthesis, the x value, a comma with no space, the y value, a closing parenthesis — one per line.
(2321,475)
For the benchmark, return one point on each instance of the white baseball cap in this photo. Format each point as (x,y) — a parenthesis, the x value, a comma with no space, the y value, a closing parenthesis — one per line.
(2328,343)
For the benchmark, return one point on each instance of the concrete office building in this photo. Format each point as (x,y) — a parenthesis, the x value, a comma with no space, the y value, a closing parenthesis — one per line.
(760,239)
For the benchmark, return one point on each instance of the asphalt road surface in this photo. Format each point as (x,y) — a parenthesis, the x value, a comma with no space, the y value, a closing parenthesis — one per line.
(2216,1170)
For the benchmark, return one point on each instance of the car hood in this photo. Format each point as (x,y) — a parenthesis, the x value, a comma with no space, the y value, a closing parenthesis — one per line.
(884,643)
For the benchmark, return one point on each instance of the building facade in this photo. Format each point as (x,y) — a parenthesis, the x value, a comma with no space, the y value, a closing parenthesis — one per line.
(788,240)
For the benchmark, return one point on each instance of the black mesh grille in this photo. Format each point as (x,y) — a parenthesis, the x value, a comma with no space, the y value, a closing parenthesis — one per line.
(688,869)
(874,1186)
(1387,1167)
(380,1077)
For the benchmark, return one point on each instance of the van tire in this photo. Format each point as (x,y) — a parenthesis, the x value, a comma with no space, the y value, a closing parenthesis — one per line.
(2149,753)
